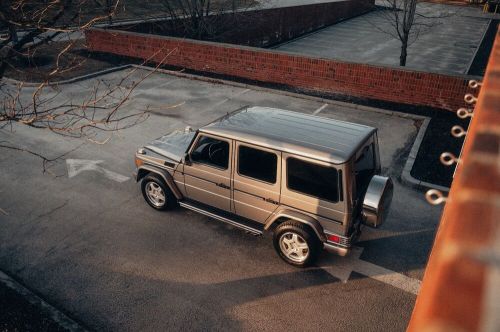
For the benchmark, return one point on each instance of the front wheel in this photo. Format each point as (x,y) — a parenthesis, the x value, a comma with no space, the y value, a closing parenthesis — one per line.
(296,243)
(157,194)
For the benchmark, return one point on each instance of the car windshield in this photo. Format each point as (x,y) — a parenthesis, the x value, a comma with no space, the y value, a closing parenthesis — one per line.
(364,169)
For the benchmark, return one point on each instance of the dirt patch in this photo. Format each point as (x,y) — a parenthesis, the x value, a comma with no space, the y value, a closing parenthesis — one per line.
(437,140)
(478,66)
(75,62)
(17,314)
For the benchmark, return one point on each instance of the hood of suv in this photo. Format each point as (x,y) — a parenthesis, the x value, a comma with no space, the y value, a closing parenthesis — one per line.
(173,145)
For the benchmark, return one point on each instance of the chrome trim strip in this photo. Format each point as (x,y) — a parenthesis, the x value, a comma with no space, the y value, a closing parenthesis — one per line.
(220,218)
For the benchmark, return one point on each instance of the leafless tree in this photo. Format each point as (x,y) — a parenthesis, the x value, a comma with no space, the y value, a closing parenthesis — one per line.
(406,23)
(28,25)
(202,19)
(403,18)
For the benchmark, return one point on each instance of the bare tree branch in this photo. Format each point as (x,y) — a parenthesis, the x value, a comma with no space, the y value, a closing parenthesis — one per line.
(402,21)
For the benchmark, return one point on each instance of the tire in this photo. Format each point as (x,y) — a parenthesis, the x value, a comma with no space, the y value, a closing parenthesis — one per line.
(157,194)
(296,243)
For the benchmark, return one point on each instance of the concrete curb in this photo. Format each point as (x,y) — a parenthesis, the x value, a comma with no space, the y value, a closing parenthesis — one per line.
(220,81)
(71,80)
(479,46)
(406,176)
(283,93)
(56,315)
(225,82)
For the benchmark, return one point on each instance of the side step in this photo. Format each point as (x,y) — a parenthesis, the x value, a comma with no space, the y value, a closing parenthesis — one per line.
(223,216)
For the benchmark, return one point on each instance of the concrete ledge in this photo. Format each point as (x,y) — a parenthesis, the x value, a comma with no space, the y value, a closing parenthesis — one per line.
(56,315)
(460,290)
(68,81)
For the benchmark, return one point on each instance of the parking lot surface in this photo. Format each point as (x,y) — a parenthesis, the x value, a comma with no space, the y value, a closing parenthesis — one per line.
(84,239)
(445,39)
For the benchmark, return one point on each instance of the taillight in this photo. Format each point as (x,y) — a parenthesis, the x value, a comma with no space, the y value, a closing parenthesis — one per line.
(334,238)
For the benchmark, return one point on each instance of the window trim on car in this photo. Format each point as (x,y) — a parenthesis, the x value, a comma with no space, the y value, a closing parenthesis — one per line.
(195,142)
(340,189)
(255,147)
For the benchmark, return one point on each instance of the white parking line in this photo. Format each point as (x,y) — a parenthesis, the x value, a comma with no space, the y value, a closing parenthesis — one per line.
(316,112)
(227,99)
(343,266)
(166,83)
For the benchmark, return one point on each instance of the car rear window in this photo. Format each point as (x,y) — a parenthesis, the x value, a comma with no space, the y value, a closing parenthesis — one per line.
(257,164)
(313,180)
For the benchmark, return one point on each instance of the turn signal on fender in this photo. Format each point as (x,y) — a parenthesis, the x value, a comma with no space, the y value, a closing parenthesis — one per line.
(138,162)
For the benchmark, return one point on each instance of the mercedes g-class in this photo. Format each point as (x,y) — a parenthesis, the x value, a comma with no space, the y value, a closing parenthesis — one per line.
(312,181)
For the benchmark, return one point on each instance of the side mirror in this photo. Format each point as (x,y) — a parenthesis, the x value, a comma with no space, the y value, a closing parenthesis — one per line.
(377,201)
(187,159)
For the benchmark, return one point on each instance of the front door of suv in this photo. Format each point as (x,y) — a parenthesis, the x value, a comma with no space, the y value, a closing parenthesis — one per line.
(257,180)
(207,175)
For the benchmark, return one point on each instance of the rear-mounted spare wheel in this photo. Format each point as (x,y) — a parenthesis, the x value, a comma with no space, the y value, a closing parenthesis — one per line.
(377,201)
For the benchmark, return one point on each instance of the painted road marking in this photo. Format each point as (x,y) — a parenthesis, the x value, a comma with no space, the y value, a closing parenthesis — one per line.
(223,101)
(77,166)
(343,266)
(166,83)
(316,112)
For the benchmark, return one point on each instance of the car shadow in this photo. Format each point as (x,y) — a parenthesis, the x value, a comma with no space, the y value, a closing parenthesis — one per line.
(400,253)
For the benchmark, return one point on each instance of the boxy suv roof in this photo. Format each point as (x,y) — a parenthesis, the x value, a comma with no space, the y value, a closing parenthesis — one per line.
(320,138)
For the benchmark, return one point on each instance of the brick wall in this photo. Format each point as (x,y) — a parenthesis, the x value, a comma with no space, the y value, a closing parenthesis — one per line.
(461,286)
(267,27)
(305,73)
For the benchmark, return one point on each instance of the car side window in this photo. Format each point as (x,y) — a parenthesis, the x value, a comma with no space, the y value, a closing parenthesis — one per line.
(211,151)
(312,179)
(257,164)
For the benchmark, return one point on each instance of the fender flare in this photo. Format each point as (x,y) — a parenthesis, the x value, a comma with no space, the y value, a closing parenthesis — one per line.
(300,217)
(169,180)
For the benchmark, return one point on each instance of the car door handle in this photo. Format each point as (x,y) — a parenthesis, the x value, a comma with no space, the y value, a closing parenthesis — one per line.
(270,200)
(222,185)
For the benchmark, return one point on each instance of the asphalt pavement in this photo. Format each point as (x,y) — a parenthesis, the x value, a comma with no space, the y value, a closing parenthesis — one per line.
(444,39)
(89,244)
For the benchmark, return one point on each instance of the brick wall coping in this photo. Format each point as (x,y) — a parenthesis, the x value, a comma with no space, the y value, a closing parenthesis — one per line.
(461,285)
(314,75)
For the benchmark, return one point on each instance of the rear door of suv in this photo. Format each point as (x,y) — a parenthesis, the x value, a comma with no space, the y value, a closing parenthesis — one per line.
(256,181)
(314,187)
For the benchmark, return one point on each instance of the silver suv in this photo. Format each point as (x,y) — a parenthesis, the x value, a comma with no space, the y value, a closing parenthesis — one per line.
(312,181)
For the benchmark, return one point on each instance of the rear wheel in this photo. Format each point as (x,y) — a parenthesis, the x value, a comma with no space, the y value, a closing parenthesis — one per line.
(157,194)
(296,243)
